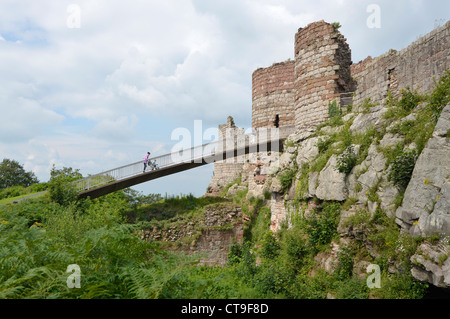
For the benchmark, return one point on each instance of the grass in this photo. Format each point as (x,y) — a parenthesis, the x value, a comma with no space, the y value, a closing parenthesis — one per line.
(12,199)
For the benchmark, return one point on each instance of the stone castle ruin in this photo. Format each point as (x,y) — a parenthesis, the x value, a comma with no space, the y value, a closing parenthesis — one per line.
(298,92)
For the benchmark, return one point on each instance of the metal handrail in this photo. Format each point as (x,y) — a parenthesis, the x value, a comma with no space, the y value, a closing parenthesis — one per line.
(189,155)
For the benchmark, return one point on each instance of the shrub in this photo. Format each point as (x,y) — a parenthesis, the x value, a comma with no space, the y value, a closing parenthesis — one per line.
(367,104)
(235,253)
(241,256)
(61,192)
(273,278)
(321,227)
(352,288)
(333,109)
(409,99)
(336,25)
(286,179)
(270,247)
(295,249)
(344,269)
(323,144)
(402,168)
(440,96)
(400,286)
(346,161)
(60,188)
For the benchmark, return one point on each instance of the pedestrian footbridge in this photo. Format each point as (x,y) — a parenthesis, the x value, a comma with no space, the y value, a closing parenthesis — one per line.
(132,174)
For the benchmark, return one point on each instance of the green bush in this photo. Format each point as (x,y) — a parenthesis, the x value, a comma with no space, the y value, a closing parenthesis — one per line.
(286,179)
(273,278)
(346,161)
(334,109)
(324,144)
(352,288)
(409,99)
(321,226)
(241,256)
(402,168)
(344,269)
(367,104)
(59,186)
(400,286)
(295,249)
(270,247)
(440,96)
(62,192)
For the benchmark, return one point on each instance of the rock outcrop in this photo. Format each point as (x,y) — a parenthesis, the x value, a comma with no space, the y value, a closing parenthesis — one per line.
(426,205)
(431,264)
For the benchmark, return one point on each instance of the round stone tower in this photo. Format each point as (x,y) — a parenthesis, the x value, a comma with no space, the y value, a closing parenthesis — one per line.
(322,72)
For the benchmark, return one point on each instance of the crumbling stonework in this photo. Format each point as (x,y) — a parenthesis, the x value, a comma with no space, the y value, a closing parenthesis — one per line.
(222,225)
(299,91)
(227,170)
(322,72)
(273,95)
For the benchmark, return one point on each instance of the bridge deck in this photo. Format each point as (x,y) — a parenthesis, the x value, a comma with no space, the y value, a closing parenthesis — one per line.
(129,175)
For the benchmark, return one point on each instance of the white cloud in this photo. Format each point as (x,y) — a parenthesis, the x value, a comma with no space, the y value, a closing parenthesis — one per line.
(120,129)
(23,118)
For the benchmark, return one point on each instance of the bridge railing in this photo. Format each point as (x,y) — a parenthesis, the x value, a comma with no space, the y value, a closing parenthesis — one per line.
(194,154)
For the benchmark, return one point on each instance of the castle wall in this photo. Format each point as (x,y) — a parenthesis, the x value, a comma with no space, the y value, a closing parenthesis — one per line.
(229,169)
(273,94)
(300,91)
(322,72)
(413,67)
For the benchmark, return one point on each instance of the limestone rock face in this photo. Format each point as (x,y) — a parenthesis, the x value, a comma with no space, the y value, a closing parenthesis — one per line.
(363,121)
(307,151)
(431,264)
(426,204)
(332,185)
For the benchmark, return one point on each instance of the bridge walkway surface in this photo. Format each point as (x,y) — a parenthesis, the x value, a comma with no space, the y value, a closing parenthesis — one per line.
(129,175)
(103,183)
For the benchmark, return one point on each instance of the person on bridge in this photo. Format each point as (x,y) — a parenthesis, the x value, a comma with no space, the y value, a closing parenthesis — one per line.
(146,159)
(154,165)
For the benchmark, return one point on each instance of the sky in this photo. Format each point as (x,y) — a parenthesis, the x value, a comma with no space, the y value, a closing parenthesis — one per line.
(95,84)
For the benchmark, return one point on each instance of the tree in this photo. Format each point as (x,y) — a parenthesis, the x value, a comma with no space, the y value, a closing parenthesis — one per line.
(13,174)
(68,174)
(60,189)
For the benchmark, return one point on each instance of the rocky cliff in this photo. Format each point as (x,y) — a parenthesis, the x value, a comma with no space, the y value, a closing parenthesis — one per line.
(387,165)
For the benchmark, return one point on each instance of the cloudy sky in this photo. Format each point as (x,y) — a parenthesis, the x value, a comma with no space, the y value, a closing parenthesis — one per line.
(95,84)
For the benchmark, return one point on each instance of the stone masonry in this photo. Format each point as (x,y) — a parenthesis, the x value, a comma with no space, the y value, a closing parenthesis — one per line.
(299,91)
(413,67)
(227,170)
(273,95)
(322,72)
